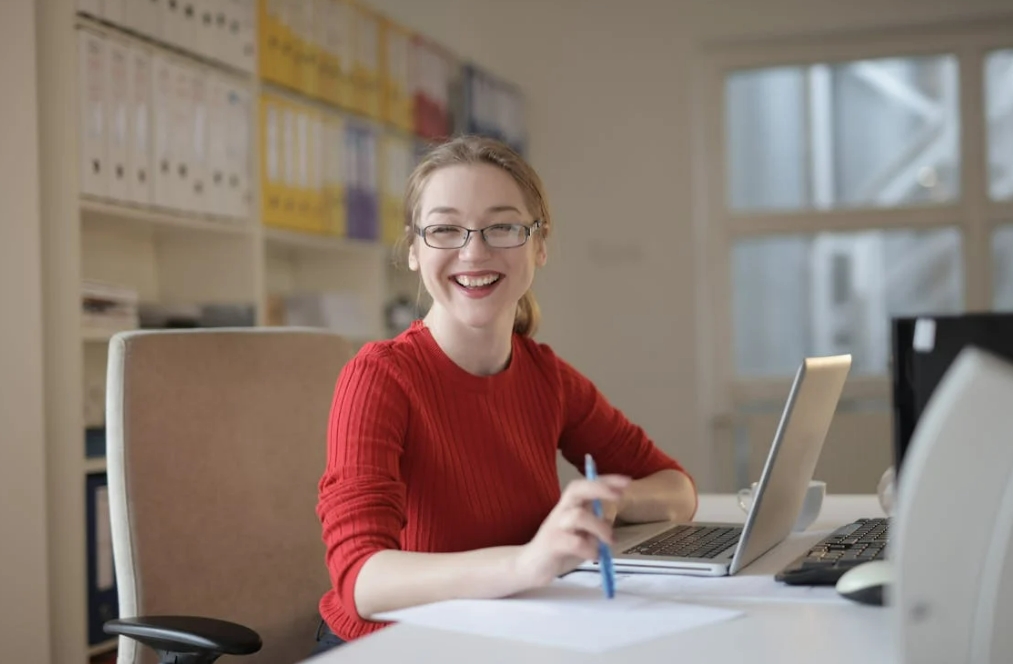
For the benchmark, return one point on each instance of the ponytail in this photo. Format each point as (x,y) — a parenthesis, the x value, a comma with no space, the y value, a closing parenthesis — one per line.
(528,315)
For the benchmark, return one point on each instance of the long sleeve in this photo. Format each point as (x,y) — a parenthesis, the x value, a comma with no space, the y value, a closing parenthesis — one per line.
(594,426)
(361,502)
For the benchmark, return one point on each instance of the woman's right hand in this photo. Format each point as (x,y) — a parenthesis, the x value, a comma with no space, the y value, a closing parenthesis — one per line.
(571,532)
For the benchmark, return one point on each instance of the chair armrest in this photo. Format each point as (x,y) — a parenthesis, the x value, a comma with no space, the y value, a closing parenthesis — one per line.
(187,639)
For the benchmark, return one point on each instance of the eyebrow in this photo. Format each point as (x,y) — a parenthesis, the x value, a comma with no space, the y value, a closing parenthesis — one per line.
(494,208)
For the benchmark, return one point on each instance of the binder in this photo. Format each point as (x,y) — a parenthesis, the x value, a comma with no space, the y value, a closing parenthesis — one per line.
(197,112)
(238,150)
(92,94)
(366,63)
(142,16)
(218,202)
(188,32)
(140,146)
(300,187)
(242,29)
(116,119)
(103,603)
(306,51)
(182,134)
(172,22)
(289,165)
(206,34)
(316,220)
(91,8)
(271,166)
(114,11)
(396,103)
(362,203)
(397,158)
(288,41)
(338,46)
(164,159)
(333,158)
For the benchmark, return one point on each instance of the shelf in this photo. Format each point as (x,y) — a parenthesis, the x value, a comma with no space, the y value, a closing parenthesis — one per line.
(104,27)
(161,218)
(297,240)
(95,465)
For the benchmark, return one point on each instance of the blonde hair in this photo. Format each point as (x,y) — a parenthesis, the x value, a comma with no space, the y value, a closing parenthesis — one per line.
(470,150)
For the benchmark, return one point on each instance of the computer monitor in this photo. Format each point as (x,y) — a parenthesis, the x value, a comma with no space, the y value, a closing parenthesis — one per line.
(923,347)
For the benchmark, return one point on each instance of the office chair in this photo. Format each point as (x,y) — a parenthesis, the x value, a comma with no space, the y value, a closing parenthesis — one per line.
(216,440)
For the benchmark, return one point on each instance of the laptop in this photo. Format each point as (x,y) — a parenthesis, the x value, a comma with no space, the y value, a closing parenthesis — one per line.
(722,549)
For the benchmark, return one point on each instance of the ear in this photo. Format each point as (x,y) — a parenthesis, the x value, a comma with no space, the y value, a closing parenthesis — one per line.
(413,258)
(541,253)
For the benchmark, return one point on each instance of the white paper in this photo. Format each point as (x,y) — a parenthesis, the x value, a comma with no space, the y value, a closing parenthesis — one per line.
(924,338)
(565,615)
(746,587)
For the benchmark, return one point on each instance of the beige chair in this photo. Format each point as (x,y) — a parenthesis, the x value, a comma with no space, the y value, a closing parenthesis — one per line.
(216,441)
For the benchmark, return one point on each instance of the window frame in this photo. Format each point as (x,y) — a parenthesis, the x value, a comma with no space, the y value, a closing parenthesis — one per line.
(717,226)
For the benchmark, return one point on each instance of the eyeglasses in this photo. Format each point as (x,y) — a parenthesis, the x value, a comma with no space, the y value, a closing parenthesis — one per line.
(497,236)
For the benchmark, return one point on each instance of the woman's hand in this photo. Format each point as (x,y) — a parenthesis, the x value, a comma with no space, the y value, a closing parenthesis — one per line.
(570,534)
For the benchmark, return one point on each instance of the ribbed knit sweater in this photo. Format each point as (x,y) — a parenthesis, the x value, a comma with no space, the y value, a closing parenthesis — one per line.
(424,456)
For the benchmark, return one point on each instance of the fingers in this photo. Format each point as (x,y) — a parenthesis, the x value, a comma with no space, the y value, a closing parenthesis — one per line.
(579,546)
(607,487)
(581,521)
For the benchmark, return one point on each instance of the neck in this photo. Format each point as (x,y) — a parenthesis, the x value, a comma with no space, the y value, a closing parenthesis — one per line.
(481,351)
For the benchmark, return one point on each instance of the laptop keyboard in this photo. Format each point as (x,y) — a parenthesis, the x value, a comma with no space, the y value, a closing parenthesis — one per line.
(848,546)
(689,542)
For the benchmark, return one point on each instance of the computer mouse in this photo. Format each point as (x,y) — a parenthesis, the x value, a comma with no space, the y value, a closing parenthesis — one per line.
(867,583)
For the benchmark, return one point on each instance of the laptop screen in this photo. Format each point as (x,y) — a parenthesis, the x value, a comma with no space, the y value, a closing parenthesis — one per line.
(922,350)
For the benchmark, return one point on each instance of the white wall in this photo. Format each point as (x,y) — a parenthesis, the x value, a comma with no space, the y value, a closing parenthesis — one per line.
(24,607)
(608,88)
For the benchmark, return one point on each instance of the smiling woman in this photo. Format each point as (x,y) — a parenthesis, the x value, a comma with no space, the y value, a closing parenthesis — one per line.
(441,477)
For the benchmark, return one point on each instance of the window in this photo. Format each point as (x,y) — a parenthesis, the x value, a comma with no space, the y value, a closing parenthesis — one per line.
(999,114)
(1002,268)
(868,133)
(829,293)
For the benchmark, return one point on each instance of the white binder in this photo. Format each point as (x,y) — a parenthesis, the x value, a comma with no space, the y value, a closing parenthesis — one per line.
(218,133)
(163,72)
(243,39)
(239,183)
(206,35)
(115,11)
(117,106)
(142,16)
(140,147)
(91,93)
(90,7)
(197,194)
(172,22)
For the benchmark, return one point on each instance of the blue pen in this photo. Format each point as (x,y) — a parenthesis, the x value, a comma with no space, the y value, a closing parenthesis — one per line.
(608,572)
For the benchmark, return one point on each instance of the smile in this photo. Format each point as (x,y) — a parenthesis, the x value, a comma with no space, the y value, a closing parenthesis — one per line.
(477,286)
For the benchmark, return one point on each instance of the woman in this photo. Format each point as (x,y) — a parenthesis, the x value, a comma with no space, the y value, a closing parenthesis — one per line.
(441,477)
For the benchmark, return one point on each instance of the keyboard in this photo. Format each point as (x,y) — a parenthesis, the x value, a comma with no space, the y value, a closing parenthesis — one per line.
(847,547)
(688,541)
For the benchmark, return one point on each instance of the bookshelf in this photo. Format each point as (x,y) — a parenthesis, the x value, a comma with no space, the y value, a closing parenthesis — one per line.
(210,237)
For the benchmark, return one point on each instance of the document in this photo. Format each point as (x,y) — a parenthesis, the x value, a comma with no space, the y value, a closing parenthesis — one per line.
(565,615)
(746,587)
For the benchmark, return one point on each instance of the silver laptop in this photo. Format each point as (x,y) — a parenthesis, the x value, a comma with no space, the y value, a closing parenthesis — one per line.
(722,549)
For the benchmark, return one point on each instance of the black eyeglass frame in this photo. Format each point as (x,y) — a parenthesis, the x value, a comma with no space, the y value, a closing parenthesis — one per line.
(528,230)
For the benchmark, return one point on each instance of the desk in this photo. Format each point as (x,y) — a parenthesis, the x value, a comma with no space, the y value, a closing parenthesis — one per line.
(769,633)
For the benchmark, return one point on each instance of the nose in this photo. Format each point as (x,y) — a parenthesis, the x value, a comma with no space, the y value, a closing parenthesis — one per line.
(475,248)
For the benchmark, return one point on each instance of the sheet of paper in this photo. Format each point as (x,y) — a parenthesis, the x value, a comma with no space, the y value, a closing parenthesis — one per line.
(565,615)
(752,587)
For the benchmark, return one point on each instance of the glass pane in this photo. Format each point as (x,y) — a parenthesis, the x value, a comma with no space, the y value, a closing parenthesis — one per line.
(829,293)
(869,133)
(1002,268)
(999,110)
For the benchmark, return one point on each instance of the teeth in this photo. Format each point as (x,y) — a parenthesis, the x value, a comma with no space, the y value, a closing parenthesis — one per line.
(476,282)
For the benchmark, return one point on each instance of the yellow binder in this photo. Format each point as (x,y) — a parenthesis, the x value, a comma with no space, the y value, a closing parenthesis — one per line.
(366,61)
(396,98)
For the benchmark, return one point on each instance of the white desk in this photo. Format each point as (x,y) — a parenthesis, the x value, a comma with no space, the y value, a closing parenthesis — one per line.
(769,633)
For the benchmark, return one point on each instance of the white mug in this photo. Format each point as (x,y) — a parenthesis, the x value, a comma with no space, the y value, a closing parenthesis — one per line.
(811,504)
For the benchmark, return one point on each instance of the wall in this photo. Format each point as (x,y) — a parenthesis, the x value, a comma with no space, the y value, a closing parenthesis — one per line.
(609,111)
(24,618)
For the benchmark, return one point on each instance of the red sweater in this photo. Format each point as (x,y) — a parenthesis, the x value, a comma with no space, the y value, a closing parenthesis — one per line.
(424,456)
